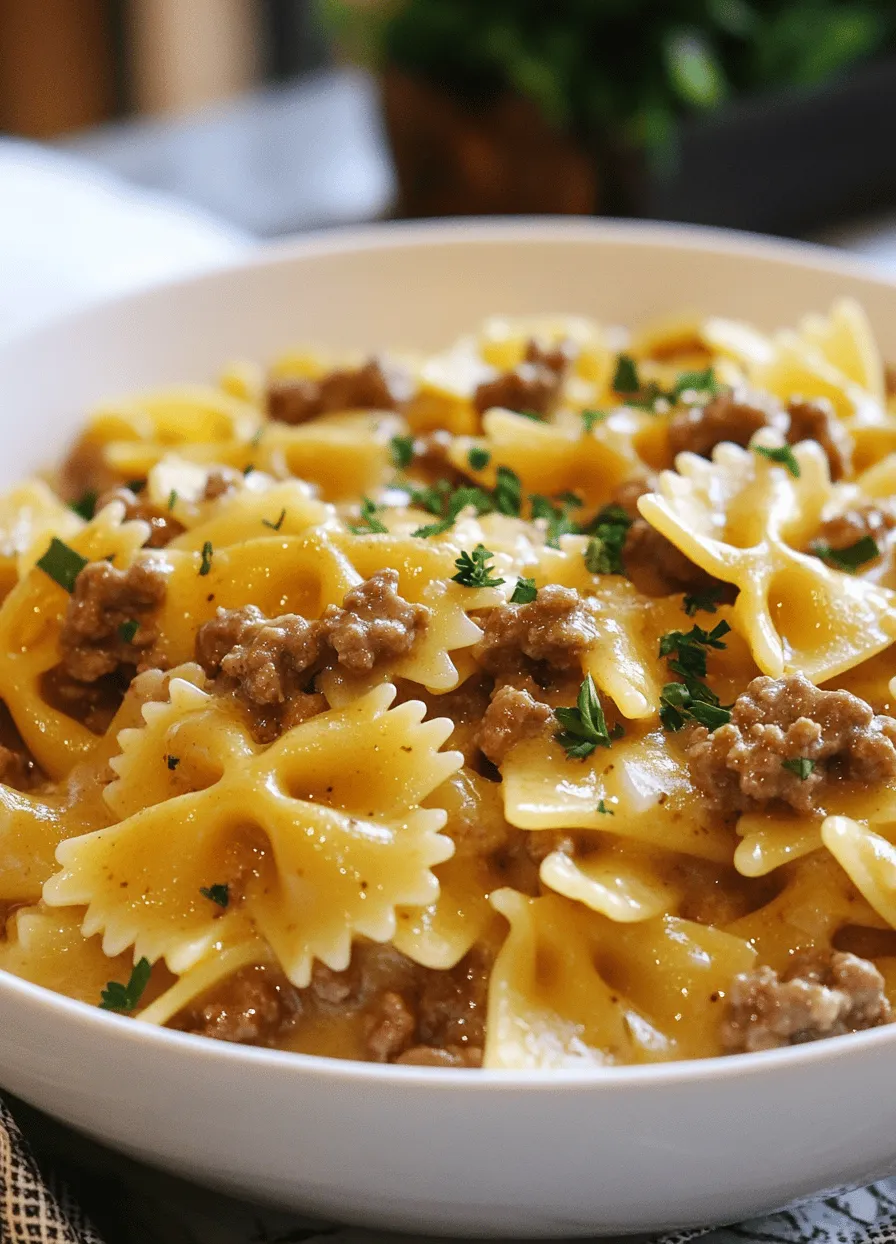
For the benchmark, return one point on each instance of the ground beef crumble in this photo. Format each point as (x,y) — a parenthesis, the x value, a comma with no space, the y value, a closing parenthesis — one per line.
(816,420)
(512,715)
(373,386)
(872,518)
(373,624)
(104,602)
(740,765)
(255,1006)
(734,416)
(653,563)
(814,999)
(163,527)
(556,628)
(532,387)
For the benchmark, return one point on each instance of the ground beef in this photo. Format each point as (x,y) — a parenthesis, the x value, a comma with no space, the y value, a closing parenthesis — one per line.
(627,494)
(389,1028)
(163,526)
(816,420)
(252,1007)
(451,1005)
(733,416)
(511,716)
(872,518)
(556,628)
(374,386)
(220,481)
(532,387)
(557,358)
(266,663)
(374,623)
(18,769)
(740,765)
(813,1000)
(656,566)
(105,600)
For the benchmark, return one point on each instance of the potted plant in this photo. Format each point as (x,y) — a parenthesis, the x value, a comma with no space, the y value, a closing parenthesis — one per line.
(676,108)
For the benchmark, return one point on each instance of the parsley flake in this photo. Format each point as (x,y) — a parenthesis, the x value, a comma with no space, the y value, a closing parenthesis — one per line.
(602,807)
(478,458)
(475,569)
(691,699)
(704,601)
(584,727)
(128,630)
(118,997)
(172,762)
(62,563)
(274,526)
(701,382)
(401,449)
(369,524)
(508,492)
(603,553)
(219,894)
(524,592)
(530,414)
(207,551)
(625,377)
(85,506)
(591,418)
(802,766)
(783,455)
(850,558)
(454,503)
(255,440)
(557,515)
(172,499)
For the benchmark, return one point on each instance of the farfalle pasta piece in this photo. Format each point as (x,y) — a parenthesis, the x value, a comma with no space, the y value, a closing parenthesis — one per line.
(359,443)
(868,859)
(739,517)
(30,623)
(44,946)
(845,338)
(30,515)
(321,836)
(626,887)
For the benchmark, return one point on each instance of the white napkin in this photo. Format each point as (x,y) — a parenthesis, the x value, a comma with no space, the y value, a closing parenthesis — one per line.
(70,234)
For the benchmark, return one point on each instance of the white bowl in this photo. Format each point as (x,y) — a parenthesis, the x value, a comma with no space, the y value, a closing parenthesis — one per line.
(548,1154)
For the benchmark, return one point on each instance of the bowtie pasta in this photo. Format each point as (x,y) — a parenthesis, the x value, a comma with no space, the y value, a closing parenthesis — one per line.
(526,705)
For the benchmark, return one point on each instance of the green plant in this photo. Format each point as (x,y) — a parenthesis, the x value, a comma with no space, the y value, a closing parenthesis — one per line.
(629,67)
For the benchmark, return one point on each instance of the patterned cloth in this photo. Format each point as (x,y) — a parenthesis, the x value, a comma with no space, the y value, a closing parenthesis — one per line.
(139,1206)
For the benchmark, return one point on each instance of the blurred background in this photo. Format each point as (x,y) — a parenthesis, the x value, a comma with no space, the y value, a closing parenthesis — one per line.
(274,116)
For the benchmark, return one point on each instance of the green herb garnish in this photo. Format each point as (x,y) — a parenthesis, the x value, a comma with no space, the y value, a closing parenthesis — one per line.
(704,601)
(401,449)
(602,807)
(62,563)
(524,592)
(783,455)
(207,551)
(432,497)
(457,501)
(475,569)
(850,558)
(584,727)
(219,894)
(591,418)
(530,414)
(800,765)
(255,440)
(691,699)
(172,499)
(85,506)
(508,492)
(688,648)
(128,630)
(558,516)
(478,458)
(369,523)
(603,553)
(279,523)
(696,382)
(625,377)
(118,997)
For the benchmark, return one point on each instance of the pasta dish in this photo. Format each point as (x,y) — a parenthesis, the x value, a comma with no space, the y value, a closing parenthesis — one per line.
(525,705)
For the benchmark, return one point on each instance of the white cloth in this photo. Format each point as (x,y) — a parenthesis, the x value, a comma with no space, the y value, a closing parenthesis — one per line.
(70,234)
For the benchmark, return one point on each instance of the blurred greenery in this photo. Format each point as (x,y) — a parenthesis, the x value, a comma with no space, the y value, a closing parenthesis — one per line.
(630,67)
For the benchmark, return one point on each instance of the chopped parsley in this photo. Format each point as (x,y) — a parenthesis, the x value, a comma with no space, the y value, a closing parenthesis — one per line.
(85,506)
(850,558)
(691,699)
(508,492)
(118,997)
(783,455)
(369,523)
(172,499)
(475,569)
(584,727)
(530,414)
(591,418)
(432,497)
(207,551)
(524,592)
(62,563)
(274,526)
(401,449)
(558,516)
(219,894)
(602,808)
(256,437)
(802,766)
(603,553)
(128,630)
(704,601)
(453,504)
(172,762)
(703,382)
(478,458)
(625,377)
